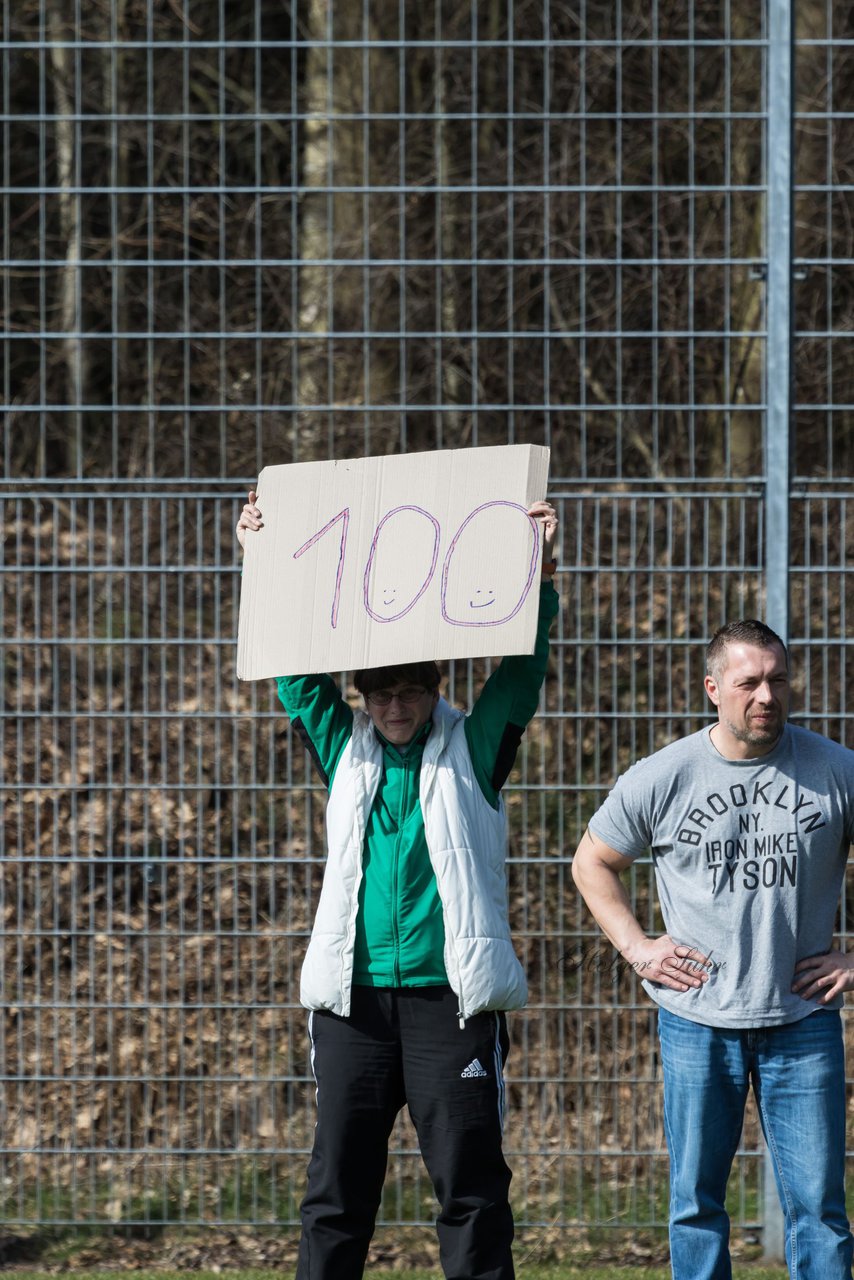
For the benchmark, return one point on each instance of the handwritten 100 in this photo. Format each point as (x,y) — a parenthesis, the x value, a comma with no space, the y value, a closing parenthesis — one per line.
(387,600)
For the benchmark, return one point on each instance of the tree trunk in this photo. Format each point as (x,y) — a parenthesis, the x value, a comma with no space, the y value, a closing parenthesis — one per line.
(70,294)
(337,226)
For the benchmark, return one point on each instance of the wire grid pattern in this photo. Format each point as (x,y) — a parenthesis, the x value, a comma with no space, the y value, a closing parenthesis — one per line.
(281,232)
(236,235)
(824,193)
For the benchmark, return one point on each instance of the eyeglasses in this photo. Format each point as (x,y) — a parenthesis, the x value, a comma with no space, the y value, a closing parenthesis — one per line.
(383,697)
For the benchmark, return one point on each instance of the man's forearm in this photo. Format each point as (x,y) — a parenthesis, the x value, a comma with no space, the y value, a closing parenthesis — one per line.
(604,892)
(596,871)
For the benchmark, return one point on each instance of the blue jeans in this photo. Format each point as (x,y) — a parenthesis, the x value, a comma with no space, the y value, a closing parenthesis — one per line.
(798,1076)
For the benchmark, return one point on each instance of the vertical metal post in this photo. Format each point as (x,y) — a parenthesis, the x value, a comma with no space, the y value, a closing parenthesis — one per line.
(779,229)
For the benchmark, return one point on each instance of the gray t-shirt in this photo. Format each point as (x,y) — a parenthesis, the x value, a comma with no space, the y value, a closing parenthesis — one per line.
(749,857)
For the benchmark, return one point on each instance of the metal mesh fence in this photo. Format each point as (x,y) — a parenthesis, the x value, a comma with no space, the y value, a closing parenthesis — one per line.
(243,234)
(823,122)
(279,231)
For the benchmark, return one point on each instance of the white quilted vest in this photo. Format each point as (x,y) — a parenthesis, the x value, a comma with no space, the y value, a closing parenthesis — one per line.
(466,839)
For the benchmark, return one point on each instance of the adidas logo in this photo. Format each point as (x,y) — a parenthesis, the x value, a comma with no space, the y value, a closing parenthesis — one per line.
(474,1071)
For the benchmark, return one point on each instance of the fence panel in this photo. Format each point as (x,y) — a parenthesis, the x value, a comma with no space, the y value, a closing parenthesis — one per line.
(242,234)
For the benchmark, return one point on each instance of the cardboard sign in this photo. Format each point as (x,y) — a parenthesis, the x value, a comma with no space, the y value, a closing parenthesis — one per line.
(372,561)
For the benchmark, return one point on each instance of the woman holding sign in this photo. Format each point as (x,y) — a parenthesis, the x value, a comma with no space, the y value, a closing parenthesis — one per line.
(411,967)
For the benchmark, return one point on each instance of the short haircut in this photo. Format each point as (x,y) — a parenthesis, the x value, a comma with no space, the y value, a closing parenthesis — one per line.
(746,631)
(372,678)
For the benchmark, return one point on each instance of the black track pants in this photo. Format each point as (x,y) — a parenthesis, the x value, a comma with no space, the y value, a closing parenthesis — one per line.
(405,1046)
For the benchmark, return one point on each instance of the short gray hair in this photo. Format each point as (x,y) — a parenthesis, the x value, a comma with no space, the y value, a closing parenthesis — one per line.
(745,631)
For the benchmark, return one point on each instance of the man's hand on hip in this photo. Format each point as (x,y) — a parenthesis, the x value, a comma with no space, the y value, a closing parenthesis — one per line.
(670,964)
(824,977)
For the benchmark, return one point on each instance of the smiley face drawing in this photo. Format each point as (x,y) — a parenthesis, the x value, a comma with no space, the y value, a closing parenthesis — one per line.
(478,589)
(401,564)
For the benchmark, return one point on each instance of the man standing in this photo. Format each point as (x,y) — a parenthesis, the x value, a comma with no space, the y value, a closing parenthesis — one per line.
(749,823)
(411,966)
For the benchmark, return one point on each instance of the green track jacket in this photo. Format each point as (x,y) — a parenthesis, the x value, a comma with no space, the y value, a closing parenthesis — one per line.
(399,929)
